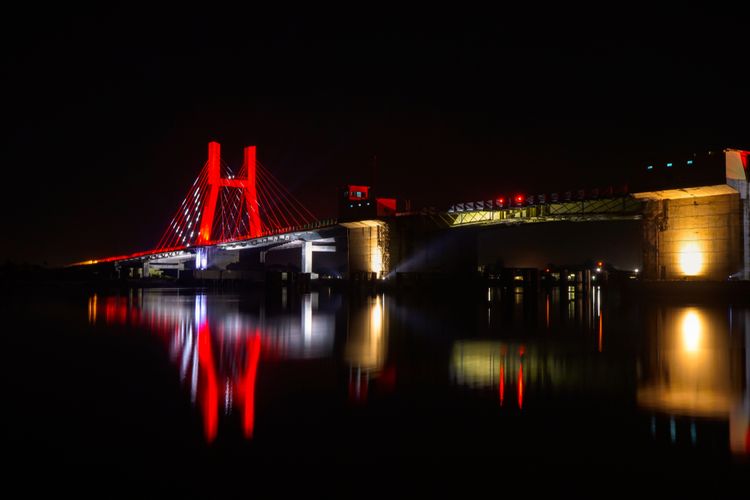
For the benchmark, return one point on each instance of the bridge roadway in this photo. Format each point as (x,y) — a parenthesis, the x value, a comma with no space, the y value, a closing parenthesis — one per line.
(320,237)
(314,233)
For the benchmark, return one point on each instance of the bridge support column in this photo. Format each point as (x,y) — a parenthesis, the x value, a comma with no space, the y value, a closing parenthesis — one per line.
(369,251)
(307,251)
(693,238)
(201,259)
(213,182)
(251,195)
(215,258)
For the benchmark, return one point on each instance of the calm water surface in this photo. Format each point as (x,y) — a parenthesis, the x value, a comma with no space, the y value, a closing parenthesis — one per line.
(194,387)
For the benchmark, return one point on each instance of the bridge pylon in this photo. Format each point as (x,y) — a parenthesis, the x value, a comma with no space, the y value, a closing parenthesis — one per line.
(215,182)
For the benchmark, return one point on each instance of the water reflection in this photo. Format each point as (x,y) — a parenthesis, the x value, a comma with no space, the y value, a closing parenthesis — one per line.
(217,346)
(367,347)
(533,369)
(682,368)
(693,373)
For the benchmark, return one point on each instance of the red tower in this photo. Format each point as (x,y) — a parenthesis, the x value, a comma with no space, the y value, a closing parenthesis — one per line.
(216,182)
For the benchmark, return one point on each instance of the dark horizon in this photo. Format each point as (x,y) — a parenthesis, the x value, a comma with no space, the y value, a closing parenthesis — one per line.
(109,113)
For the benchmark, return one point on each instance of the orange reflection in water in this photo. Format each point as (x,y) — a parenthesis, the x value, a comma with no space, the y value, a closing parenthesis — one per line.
(694,368)
(367,348)
(92,308)
(690,370)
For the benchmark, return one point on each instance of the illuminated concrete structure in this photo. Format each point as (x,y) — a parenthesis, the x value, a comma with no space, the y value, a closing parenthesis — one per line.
(368,248)
(701,232)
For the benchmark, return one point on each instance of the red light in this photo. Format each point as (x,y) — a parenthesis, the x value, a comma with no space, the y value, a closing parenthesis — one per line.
(210,392)
(502,383)
(501,200)
(248,384)
(599,263)
(519,198)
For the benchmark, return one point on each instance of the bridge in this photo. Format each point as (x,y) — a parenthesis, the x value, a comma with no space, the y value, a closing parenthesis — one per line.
(226,211)
(693,228)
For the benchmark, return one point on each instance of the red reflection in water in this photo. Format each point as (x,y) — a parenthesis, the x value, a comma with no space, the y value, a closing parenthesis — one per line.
(210,392)
(502,382)
(246,384)
(387,380)
(115,310)
(222,359)
(521,352)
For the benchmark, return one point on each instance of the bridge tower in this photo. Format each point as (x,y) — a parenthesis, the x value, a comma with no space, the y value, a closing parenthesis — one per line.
(216,182)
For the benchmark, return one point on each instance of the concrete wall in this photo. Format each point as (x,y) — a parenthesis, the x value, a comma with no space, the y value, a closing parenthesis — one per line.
(693,238)
(368,249)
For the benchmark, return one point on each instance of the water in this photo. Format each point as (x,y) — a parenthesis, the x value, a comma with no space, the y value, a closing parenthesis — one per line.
(191,388)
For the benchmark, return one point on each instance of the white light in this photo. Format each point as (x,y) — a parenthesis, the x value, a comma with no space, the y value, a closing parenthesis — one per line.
(598,269)
(691,331)
(637,270)
(691,259)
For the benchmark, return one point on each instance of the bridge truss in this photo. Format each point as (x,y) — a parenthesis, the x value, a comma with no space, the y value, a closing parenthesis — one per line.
(619,208)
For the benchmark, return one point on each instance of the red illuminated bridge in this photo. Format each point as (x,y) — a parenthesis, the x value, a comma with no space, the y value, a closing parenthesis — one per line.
(226,211)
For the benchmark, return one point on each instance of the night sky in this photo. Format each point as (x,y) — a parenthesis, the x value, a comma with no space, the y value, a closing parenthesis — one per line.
(107,114)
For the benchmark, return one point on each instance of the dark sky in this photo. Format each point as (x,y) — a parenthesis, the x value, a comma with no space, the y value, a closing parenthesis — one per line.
(107,113)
